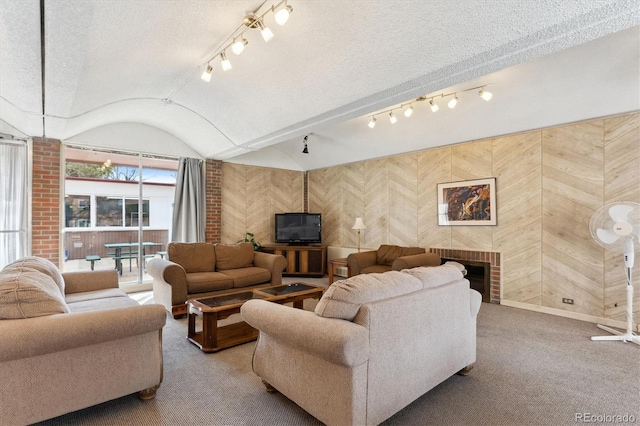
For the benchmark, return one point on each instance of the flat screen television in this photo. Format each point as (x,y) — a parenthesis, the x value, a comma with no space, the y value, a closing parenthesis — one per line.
(298,228)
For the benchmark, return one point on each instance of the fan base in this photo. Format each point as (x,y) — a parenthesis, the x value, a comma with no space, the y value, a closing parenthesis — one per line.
(617,335)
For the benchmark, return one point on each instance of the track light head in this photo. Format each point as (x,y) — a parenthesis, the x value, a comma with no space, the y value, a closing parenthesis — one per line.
(392,118)
(453,102)
(485,95)
(238,45)
(372,123)
(206,75)
(434,107)
(304,140)
(408,111)
(282,15)
(226,65)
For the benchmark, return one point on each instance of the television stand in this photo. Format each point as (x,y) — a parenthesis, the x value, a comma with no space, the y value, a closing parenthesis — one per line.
(302,260)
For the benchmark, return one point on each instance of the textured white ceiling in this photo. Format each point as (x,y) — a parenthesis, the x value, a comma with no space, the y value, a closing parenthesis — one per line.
(126,74)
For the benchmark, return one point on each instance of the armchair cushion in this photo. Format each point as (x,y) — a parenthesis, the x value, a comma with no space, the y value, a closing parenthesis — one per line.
(343,299)
(27,293)
(193,257)
(233,256)
(386,254)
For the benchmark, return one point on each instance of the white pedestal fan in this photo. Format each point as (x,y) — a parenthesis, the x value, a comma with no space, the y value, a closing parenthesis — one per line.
(617,227)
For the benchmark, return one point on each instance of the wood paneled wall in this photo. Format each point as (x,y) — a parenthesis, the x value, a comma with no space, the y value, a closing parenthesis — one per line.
(549,183)
(252,195)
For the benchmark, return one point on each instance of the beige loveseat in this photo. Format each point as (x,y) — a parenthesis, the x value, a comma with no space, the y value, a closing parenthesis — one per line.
(69,341)
(390,258)
(374,344)
(205,269)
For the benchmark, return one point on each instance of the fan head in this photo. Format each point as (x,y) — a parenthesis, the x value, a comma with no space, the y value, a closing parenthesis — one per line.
(616,226)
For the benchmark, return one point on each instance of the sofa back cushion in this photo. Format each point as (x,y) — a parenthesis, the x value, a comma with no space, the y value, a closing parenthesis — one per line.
(193,257)
(234,256)
(39,264)
(28,293)
(344,298)
(435,276)
(386,253)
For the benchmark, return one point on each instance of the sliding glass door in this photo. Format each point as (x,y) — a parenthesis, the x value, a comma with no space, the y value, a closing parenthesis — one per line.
(15,187)
(118,210)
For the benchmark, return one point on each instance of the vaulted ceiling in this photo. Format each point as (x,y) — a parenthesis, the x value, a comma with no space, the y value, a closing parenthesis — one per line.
(126,74)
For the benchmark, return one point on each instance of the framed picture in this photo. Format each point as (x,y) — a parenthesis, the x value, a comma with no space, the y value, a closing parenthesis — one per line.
(469,202)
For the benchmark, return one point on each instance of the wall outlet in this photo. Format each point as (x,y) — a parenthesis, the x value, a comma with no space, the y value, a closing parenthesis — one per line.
(567,301)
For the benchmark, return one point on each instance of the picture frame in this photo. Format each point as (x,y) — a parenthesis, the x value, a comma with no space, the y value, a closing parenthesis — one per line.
(469,202)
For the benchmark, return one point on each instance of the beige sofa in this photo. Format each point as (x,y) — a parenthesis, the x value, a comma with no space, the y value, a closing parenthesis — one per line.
(390,258)
(69,341)
(205,269)
(374,344)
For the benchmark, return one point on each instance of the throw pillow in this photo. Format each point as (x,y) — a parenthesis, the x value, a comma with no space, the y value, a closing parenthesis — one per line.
(29,293)
(39,264)
(234,256)
(344,298)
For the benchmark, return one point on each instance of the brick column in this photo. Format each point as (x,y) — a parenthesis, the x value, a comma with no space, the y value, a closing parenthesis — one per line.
(213,229)
(46,199)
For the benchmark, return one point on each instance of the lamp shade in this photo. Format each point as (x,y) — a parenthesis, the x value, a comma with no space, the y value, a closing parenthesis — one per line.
(359,224)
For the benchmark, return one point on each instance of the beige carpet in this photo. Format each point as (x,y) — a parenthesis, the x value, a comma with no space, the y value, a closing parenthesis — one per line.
(532,369)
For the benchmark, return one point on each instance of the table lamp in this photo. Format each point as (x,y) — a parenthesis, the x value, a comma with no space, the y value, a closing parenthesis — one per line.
(359,225)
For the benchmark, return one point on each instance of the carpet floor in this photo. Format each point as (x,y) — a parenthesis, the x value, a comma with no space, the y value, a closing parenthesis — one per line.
(531,369)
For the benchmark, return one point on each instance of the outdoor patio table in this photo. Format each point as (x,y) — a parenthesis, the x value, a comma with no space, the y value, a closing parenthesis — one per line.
(128,253)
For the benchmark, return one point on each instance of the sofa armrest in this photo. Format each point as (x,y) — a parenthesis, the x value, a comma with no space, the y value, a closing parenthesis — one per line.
(358,261)
(23,338)
(475,300)
(416,260)
(275,263)
(166,273)
(81,281)
(337,341)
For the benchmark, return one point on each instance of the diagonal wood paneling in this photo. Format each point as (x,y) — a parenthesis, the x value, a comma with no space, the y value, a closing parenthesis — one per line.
(234,202)
(403,199)
(572,189)
(352,181)
(472,161)
(434,166)
(332,208)
(316,189)
(518,170)
(622,183)
(376,199)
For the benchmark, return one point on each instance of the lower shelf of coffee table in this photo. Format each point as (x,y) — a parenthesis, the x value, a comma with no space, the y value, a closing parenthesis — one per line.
(228,336)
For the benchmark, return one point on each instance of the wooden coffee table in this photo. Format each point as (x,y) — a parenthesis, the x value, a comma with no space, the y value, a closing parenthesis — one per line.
(212,338)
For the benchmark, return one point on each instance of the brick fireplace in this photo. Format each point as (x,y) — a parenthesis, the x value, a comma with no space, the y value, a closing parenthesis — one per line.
(474,257)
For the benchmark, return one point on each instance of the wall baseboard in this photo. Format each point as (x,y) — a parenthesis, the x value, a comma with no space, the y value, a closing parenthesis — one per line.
(572,315)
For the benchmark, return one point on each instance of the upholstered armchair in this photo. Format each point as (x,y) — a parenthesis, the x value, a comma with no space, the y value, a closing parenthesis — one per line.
(388,258)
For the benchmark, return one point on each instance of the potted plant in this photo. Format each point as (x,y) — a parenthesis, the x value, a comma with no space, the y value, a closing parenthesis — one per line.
(250,238)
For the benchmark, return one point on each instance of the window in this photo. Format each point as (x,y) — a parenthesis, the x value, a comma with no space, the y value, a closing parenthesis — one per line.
(132,214)
(77,211)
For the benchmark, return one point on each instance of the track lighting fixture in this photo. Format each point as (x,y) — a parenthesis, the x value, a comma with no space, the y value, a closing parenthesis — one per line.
(485,95)
(453,102)
(305,150)
(238,45)
(226,65)
(408,111)
(432,104)
(282,15)
(206,75)
(237,42)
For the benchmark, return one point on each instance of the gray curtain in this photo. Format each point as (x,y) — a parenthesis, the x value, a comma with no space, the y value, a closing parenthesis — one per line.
(189,207)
